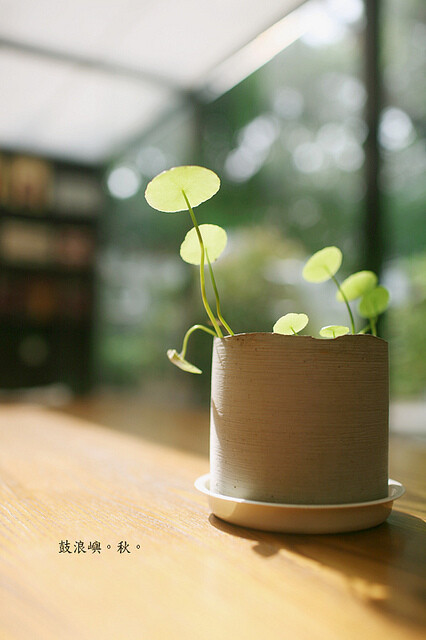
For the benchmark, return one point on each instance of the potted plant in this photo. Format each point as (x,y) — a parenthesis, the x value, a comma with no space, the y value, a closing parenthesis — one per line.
(299,424)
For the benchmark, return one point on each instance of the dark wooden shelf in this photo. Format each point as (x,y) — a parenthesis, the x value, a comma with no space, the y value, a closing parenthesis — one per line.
(44,296)
(53,269)
(28,322)
(49,217)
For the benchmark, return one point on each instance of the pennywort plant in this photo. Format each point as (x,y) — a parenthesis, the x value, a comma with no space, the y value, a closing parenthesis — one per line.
(374,300)
(186,187)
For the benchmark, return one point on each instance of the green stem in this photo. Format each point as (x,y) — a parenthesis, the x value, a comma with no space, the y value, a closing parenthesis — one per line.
(346,303)
(365,329)
(216,293)
(373,326)
(189,332)
(202,281)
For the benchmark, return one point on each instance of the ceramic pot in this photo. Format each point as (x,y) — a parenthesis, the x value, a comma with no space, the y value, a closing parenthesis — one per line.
(299,420)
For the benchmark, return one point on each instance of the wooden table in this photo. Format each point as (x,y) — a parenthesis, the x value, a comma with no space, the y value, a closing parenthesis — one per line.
(159,566)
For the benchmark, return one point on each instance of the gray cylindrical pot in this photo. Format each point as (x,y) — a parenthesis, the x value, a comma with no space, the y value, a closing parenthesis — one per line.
(299,420)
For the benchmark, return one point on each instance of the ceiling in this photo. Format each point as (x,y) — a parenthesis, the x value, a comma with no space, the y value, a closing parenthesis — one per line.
(79,79)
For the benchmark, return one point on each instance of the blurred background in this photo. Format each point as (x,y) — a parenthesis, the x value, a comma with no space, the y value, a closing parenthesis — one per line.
(313,115)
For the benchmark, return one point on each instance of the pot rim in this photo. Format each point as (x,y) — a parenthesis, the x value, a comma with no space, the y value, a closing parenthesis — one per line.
(280,336)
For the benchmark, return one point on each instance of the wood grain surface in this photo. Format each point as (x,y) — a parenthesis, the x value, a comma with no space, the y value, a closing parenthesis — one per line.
(74,478)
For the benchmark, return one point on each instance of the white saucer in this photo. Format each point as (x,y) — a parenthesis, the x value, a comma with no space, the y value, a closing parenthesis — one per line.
(300,518)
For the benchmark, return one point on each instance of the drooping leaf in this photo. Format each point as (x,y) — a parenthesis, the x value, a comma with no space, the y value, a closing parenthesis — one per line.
(164,192)
(322,265)
(291,323)
(357,284)
(214,240)
(333,331)
(180,362)
(374,302)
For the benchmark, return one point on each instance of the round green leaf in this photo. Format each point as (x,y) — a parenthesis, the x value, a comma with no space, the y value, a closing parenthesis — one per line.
(180,362)
(214,240)
(164,192)
(291,323)
(322,265)
(356,285)
(333,331)
(374,302)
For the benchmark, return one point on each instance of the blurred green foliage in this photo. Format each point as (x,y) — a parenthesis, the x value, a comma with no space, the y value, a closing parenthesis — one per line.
(288,145)
(406,327)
